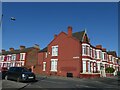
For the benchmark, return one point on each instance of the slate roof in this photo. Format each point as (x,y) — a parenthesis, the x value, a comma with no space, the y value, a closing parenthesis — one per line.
(112,53)
(79,35)
(18,51)
(44,49)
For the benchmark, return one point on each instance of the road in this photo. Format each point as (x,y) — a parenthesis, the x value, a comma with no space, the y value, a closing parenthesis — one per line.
(64,82)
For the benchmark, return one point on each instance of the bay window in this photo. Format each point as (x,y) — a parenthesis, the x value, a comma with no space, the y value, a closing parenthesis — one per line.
(84,52)
(13,57)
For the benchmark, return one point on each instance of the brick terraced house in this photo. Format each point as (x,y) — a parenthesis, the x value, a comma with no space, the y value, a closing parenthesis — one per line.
(71,54)
(21,57)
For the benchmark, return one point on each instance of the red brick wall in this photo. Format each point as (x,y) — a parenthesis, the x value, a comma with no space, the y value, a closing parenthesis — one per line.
(31,58)
(68,48)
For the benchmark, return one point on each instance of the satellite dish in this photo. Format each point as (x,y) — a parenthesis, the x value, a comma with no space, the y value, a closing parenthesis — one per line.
(13,18)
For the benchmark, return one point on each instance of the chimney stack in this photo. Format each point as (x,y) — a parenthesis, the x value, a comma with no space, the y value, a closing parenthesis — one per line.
(3,50)
(55,36)
(69,31)
(22,47)
(11,49)
(104,49)
(99,46)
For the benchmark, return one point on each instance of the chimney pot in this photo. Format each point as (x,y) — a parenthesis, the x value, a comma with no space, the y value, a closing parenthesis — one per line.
(11,49)
(99,46)
(69,31)
(3,50)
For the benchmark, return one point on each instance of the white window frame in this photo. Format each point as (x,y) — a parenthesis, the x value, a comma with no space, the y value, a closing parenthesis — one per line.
(9,57)
(55,64)
(22,56)
(3,57)
(84,50)
(84,66)
(46,55)
(90,52)
(13,57)
(44,66)
(55,52)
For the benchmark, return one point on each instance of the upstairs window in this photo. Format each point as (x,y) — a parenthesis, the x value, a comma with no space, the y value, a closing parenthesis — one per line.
(96,54)
(103,56)
(46,55)
(2,58)
(22,56)
(100,54)
(14,57)
(91,52)
(55,50)
(84,52)
(8,57)
(88,51)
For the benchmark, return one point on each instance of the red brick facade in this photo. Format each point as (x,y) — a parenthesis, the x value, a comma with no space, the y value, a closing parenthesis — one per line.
(71,58)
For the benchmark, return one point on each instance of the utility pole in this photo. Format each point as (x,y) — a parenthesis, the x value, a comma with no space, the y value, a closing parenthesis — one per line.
(1,20)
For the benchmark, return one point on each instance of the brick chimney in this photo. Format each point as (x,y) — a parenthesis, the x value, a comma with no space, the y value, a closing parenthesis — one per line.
(11,49)
(22,47)
(69,31)
(99,46)
(104,49)
(3,50)
(55,36)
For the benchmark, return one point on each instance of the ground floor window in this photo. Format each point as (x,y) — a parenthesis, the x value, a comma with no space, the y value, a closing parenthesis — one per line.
(44,66)
(84,66)
(89,67)
(54,64)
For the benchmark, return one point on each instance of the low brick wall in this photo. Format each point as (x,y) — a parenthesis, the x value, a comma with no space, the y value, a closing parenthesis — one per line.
(82,75)
(109,74)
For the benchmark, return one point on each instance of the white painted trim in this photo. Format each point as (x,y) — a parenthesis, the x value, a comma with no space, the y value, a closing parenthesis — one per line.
(85,44)
(93,60)
(54,59)
(85,59)
(98,50)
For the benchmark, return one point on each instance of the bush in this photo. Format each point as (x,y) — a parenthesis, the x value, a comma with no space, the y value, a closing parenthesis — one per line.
(109,70)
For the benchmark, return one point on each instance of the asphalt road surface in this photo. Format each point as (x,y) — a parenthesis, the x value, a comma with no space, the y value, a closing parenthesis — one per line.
(111,83)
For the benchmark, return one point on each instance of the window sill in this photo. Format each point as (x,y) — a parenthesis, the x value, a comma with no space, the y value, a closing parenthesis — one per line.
(53,70)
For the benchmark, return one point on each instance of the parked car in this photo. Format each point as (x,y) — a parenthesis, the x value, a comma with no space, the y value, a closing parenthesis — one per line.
(118,74)
(19,74)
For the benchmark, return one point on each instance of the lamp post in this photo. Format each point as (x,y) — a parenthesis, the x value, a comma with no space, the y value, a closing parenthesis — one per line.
(1,20)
